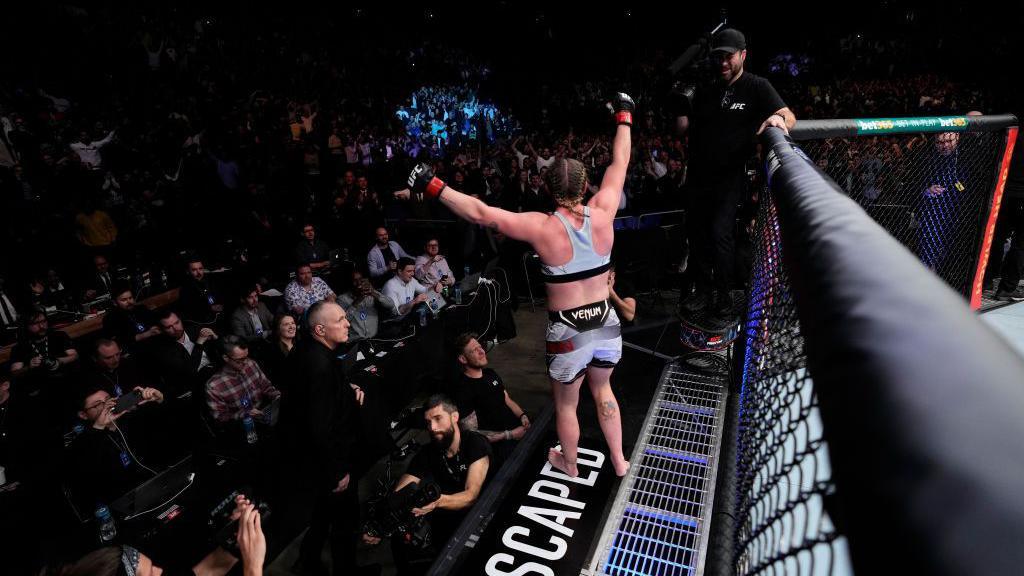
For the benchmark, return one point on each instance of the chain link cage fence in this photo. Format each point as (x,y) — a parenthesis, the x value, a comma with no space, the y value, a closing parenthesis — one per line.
(783,478)
(933,192)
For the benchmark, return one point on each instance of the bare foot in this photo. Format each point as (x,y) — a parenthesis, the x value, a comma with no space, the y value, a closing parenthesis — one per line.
(558,461)
(621,469)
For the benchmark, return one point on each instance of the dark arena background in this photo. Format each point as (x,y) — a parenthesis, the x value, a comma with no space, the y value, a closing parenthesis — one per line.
(182,183)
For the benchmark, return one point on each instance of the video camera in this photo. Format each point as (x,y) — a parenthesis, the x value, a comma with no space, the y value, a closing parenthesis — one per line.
(226,529)
(695,66)
(391,514)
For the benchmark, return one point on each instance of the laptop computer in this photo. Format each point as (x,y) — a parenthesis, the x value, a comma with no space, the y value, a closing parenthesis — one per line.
(152,495)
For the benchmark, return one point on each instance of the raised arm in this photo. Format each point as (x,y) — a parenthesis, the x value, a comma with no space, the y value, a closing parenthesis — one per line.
(608,197)
(525,226)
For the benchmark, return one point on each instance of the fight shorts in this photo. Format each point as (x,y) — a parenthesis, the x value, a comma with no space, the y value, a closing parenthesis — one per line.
(585,336)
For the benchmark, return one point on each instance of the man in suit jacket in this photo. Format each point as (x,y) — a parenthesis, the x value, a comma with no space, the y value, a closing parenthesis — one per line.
(382,260)
(178,358)
(252,320)
(101,280)
(319,425)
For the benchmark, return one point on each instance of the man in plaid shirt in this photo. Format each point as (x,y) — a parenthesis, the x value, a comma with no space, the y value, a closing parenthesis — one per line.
(239,387)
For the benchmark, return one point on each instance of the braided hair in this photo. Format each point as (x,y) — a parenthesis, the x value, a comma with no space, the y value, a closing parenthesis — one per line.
(567,181)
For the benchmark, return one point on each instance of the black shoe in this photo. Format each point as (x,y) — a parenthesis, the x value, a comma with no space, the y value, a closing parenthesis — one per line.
(695,302)
(1015,296)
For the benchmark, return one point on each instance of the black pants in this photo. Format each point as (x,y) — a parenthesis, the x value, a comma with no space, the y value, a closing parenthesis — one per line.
(335,517)
(1013,263)
(711,230)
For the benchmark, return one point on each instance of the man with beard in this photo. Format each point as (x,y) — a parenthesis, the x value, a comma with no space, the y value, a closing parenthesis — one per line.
(457,461)
(721,121)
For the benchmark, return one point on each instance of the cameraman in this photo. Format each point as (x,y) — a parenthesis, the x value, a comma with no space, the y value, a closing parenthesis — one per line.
(722,119)
(457,461)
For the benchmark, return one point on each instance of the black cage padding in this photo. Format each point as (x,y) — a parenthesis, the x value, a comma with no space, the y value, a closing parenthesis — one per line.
(921,403)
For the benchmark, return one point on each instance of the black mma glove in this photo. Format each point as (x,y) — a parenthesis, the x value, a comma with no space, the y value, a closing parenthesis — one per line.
(422,181)
(622,106)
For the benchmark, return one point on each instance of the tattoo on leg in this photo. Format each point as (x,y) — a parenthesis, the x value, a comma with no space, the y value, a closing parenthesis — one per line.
(607,409)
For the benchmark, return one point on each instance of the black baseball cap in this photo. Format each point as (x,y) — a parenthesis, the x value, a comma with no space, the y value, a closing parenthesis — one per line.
(729,40)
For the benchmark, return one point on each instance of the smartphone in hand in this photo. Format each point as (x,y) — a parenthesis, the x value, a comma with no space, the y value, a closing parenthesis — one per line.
(127,401)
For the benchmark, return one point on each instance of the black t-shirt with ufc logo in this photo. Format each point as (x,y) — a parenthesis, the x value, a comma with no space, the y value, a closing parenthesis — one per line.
(724,121)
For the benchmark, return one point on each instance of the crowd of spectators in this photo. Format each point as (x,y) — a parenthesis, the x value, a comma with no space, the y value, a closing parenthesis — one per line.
(256,177)
(451,115)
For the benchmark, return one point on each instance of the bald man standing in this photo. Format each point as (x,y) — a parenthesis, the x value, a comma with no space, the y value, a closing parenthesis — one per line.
(319,423)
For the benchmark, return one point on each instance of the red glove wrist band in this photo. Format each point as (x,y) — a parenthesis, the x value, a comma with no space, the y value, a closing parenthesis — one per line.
(434,188)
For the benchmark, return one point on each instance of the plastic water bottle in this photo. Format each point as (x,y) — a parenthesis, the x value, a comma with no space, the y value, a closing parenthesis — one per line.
(108,531)
(423,316)
(465,272)
(250,429)
(458,294)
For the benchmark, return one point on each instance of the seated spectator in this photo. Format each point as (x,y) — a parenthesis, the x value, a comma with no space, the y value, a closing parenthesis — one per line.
(41,357)
(239,390)
(45,290)
(57,294)
(306,290)
(383,257)
(110,370)
(252,320)
(127,323)
(100,282)
(457,461)
(481,396)
(312,251)
(179,359)
(105,461)
(280,348)
(404,291)
(197,302)
(364,306)
(431,267)
(623,297)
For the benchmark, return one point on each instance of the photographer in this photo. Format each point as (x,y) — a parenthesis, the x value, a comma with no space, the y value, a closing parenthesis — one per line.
(364,306)
(40,349)
(126,560)
(40,364)
(458,462)
(722,120)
